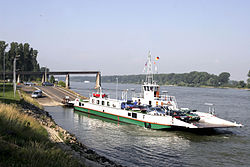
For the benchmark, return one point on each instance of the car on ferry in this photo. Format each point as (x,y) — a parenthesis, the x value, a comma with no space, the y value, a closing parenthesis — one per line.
(156,111)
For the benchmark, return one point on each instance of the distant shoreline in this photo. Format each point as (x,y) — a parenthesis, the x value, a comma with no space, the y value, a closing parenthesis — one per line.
(191,79)
(201,86)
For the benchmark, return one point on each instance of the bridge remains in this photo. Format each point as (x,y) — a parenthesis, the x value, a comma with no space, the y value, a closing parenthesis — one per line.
(45,75)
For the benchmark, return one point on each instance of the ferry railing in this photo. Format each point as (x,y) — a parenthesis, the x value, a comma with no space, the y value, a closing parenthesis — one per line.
(165,98)
(138,95)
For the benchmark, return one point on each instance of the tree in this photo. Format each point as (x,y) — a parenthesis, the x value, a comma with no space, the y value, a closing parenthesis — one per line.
(43,69)
(3,46)
(248,82)
(27,60)
(52,79)
(224,78)
(241,84)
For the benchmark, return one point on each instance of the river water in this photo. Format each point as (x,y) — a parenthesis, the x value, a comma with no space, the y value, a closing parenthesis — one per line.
(131,145)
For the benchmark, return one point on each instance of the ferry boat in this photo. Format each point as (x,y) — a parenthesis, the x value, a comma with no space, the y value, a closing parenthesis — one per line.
(149,109)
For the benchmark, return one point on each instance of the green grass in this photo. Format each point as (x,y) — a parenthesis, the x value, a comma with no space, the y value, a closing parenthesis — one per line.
(8,96)
(23,141)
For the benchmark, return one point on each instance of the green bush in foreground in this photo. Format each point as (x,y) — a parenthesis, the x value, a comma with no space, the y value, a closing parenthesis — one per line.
(24,142)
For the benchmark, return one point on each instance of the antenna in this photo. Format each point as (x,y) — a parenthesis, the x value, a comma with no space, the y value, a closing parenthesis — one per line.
(149,70)
(116,87)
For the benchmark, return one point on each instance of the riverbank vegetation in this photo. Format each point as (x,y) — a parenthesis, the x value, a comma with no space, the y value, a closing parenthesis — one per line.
(192,79)
(23,141)
(62,83)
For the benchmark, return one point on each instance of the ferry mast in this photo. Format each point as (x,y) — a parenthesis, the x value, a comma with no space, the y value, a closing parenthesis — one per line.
(149,70)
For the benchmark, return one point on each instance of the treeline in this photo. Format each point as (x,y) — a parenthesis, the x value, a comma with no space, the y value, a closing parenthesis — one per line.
(193,79)
(186,79)
(26,61)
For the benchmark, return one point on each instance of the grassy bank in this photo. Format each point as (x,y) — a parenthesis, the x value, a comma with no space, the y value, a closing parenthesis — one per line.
(23,141)
(8,95)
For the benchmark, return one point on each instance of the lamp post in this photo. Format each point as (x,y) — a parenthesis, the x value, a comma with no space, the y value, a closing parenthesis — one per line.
(3,75)
(116,88)
(14,74)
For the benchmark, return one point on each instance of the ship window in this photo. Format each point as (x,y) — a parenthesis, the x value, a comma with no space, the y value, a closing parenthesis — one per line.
(97,102)
(134,115)
(93,101)
(103,103)
(129,114)
(151,88)
(108,103)
(144,88)
(80,104)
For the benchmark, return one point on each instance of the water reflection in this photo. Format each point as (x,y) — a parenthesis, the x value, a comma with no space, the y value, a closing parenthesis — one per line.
(122,141)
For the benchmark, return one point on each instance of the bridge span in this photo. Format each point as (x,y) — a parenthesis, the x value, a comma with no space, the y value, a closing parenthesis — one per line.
(45,75)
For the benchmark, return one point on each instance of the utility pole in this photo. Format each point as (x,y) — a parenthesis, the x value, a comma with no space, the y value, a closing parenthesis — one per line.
(3,75)
(14,75)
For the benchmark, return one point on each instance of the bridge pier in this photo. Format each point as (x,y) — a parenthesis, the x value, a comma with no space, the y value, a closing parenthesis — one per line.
(98,81)
(43,78)
(67,81)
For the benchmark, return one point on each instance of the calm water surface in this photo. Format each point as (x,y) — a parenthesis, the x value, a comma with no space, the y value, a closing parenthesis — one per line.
(131,145)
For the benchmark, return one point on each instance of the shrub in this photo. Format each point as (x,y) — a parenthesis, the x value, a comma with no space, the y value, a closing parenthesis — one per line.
(61,83)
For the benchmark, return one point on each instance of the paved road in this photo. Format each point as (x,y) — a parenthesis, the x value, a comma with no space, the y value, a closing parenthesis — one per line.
(51,95)
(56,93)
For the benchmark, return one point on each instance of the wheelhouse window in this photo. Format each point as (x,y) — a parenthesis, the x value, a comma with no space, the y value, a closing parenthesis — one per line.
(103,103)
(97,102)
(129,114)
(108,103)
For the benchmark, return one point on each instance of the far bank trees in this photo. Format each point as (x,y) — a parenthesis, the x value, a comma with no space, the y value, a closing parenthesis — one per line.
(248,80)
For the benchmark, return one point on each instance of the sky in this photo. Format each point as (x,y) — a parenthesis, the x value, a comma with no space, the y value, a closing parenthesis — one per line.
(115,36)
